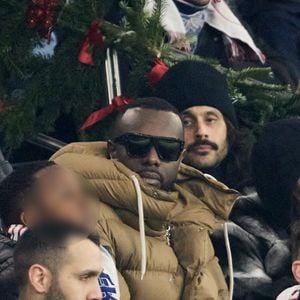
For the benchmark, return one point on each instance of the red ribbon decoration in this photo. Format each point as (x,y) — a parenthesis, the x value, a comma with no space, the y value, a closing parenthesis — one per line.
(94,38)
(97,116)
(157,72)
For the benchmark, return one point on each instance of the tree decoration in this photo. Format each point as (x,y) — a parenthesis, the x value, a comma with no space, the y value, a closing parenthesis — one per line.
(41,15)
(67,83)
(157,72)
(115,99)
(93,39)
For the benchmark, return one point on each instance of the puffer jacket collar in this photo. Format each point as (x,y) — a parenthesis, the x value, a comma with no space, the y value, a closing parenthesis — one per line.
(216,200)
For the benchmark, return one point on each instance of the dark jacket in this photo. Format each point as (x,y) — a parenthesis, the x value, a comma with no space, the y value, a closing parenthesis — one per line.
(261,255)
(5,167)
(8,287)
(260,234)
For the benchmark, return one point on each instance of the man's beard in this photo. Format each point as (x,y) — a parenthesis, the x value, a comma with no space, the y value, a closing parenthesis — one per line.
(55,292)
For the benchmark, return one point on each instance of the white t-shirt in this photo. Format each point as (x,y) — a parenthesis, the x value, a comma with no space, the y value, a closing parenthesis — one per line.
(108,279)
(292,293)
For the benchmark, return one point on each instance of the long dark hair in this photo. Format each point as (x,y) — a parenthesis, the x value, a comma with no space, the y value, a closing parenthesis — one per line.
(237,169)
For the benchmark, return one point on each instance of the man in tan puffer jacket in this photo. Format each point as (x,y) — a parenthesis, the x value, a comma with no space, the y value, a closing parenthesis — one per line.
(155,214)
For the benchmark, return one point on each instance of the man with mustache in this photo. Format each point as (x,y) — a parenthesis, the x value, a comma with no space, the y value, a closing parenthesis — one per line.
(214,144)
(155,214)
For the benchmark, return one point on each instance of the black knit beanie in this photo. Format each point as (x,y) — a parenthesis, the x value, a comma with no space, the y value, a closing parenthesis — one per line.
(193,83)
(276,168)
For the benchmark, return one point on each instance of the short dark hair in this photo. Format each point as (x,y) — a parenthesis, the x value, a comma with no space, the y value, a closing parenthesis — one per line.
(152,103)
(14,190)
(46,244)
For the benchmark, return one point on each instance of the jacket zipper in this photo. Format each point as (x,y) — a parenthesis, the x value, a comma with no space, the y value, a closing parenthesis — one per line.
(168,235)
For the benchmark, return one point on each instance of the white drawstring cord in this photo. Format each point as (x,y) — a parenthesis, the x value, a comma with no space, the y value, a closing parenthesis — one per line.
(141,225)
(109,76)
(117,72)
(229,259)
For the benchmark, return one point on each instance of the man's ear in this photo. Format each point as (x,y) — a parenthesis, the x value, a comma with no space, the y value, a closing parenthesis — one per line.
(23,218)
(296,270)
(111,149)
(29,217)
(39,278)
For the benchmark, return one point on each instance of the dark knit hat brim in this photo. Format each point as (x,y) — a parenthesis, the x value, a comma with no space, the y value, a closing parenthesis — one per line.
(193,83)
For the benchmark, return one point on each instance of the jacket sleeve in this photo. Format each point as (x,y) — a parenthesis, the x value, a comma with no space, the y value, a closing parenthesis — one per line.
(8,288)
(107,240)
(106,178)
(5,167)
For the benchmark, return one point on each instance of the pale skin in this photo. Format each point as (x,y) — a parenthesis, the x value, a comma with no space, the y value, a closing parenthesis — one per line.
(296,270)
(204,123)
(76,279)
(296,263)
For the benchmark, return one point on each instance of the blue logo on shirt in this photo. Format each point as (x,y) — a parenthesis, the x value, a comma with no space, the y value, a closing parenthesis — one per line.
(108,287)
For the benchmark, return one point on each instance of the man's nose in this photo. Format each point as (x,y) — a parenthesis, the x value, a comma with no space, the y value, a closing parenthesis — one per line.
(152,158)
(96,293)
(201,130)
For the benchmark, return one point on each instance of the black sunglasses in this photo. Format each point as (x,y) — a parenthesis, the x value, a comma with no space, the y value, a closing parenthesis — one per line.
(138,146)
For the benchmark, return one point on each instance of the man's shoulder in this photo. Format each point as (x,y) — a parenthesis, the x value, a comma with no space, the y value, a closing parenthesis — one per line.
(106,212)
(6,260)
(216,195)
(87,159)
(90,160)
(6,244)
(188,173)
(84,148)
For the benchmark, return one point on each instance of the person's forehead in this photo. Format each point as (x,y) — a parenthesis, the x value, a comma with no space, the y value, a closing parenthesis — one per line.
(151,122)
(83,254)
(201,111)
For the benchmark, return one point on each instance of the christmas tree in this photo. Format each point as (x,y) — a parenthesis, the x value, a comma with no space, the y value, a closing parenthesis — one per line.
(53,56)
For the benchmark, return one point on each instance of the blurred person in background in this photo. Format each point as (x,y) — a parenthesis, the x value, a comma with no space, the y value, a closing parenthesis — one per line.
(276,25)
